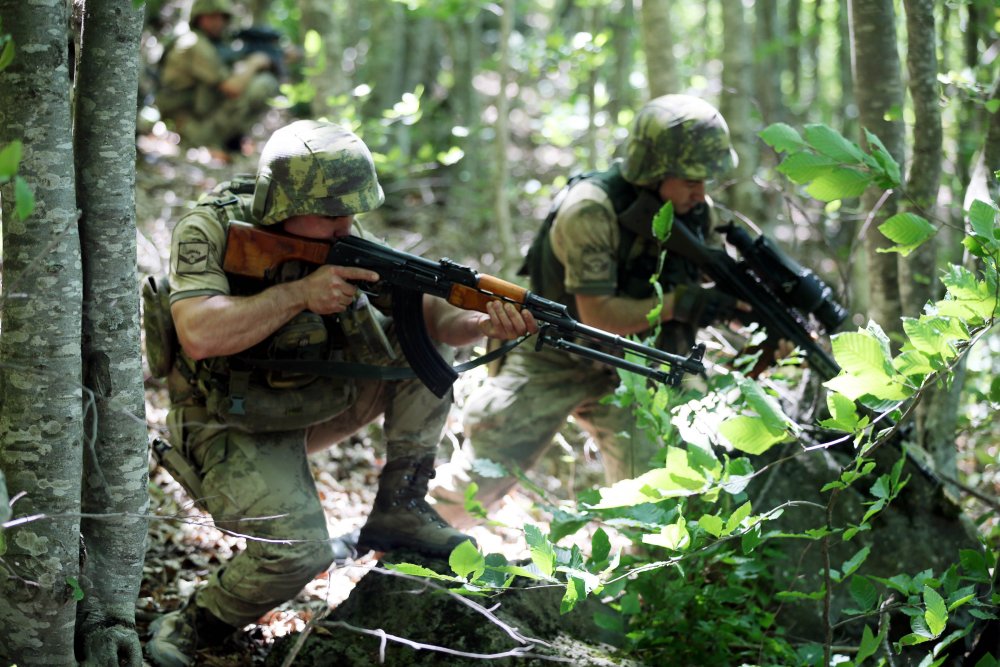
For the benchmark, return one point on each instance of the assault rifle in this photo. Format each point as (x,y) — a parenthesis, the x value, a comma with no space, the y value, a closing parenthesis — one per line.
(259,253)
(785,298)
(256,39)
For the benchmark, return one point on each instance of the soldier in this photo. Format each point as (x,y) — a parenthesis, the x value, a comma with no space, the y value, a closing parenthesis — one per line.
(245,432)
(211,101)
(596,254)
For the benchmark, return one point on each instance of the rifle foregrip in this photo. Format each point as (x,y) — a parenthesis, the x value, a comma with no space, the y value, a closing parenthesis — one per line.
(488,289)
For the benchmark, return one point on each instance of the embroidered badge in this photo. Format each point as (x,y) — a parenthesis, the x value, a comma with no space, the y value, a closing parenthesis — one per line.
(192,257)
(595,266)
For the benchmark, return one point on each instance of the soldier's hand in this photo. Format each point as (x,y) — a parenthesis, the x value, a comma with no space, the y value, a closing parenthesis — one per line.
(506,321)
(701,307)
(329,289)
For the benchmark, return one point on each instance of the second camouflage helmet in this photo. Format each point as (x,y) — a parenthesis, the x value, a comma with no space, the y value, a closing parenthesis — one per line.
(677,135)
(200,7)
(314,167)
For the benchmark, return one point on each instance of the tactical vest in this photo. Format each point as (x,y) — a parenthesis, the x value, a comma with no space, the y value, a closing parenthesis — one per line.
(637,255)
(233,389)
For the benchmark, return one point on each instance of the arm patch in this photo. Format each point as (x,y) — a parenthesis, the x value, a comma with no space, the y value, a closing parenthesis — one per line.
(192,257)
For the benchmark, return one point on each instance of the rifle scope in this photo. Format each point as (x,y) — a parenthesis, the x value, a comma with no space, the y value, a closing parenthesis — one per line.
(794,284)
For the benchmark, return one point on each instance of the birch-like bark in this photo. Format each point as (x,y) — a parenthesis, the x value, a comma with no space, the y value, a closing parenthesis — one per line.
(115,460)
(40,375)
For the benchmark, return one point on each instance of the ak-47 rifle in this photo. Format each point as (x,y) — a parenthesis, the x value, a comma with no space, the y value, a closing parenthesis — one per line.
(258,253)
(784,297)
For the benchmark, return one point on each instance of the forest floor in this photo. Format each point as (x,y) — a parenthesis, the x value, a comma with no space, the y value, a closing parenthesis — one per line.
(184,546)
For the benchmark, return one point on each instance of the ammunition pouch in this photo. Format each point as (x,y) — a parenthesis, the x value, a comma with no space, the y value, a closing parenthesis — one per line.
(161,338)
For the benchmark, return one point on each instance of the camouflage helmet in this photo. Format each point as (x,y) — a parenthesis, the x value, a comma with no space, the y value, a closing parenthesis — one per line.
(677,135)
(201,7)
(314,167)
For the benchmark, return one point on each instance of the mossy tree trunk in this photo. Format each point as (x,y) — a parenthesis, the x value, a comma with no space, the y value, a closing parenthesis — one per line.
(115,458)
(41,425)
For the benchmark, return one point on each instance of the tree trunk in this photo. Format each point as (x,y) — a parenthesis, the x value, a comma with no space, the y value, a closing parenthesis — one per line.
(328,80)
(115,461)
(501,203)
(736,106)
(878,89)
(40,376)
(657,45)
(620,92)
(769,66)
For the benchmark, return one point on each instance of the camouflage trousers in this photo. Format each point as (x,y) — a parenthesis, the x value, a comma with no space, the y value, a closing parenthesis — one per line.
(212,124)
(260,485)
(513,417)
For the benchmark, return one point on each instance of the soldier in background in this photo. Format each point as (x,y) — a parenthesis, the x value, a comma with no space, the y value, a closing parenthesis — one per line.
(212,101)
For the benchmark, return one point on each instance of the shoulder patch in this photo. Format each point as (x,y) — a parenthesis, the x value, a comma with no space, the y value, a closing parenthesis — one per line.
(192,257)
(595,266)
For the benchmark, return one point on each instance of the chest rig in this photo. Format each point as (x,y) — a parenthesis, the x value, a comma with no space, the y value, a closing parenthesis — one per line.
(638,251)
(267,387)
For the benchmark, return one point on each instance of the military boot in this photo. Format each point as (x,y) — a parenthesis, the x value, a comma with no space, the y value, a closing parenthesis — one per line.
(175,638)
(401,517)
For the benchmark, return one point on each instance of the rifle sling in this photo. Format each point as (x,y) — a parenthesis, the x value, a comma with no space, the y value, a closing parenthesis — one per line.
(368,371)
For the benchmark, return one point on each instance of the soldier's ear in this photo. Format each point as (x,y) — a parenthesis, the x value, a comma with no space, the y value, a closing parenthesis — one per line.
(261,192)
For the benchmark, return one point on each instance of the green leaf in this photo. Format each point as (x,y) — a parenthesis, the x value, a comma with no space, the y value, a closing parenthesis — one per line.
(465,559)
(417,571)
(804,167)
(855,561)
(866,368)
(750,434)
(843,413)
(600,546)
(974,565)
(542,553)
(6,53)
(575,592)
(782,137)
(890,168)
(765,406)
(864,592)
(934,335)
(74,585)
(827,141)
(912,363)
(840,183)
(908,231)
(711,524)
(869,645)
(677,478)
(737,517)
(935,614)
(751,538)
(24,199)
(674,537)
(10,158)
(663,222)
(983,220)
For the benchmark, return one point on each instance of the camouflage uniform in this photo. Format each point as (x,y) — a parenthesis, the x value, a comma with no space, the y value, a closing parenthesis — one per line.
(599,243)
(250,470)
(189,94)
(246,431)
